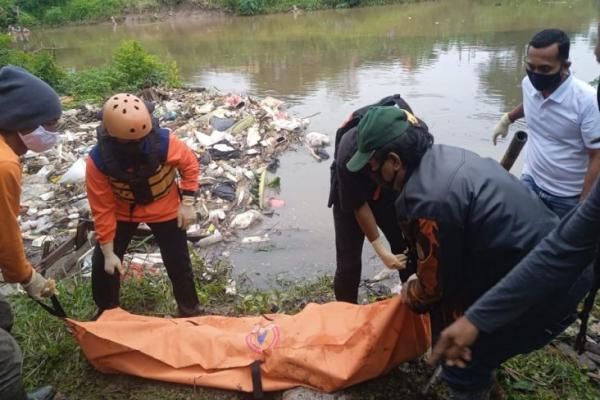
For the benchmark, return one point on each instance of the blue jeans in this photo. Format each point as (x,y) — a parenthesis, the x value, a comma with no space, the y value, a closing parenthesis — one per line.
(534,329)
(559,205)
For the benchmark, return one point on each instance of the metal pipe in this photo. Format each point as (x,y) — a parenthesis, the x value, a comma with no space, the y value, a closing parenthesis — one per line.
(514,148)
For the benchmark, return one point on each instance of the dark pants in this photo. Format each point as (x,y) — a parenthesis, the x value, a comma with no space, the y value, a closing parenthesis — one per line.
(11,359)
(349,240)
(533,330)
(559,205)
(172,242)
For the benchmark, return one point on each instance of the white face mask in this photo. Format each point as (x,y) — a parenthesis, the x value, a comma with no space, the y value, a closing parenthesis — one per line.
(40,139)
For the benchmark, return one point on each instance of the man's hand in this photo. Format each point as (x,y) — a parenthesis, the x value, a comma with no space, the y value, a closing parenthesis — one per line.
(111,260)
(187,213)
(390,260)
(454,343)
(501,128)
(39,287)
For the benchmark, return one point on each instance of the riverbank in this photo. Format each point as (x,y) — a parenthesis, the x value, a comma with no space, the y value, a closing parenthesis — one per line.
(52,356)
(70,12)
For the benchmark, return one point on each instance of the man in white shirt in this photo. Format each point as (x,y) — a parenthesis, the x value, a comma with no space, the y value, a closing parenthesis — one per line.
(563,150)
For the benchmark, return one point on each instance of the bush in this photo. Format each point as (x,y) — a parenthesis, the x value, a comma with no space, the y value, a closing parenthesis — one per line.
(249,7)
(140,69)
(27,19)
(54,16)
(44,66)
(244,7)
(132,69)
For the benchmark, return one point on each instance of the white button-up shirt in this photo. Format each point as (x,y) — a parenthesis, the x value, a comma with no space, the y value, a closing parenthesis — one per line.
(561,129)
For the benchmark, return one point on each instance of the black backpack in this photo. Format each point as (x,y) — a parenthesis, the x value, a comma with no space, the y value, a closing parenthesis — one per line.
(350,123)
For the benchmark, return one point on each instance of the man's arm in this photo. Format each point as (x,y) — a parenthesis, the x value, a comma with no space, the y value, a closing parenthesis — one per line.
(592,172)
(366,220)
(501,129)
(517,113)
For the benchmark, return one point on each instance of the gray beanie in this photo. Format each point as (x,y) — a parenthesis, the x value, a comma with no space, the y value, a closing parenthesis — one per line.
(26,101)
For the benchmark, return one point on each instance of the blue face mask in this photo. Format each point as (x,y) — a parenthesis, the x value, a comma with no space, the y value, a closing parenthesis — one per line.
(543,82)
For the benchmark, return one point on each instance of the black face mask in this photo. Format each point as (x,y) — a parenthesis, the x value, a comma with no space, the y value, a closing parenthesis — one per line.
(543,82)
(132,148)
(378,178)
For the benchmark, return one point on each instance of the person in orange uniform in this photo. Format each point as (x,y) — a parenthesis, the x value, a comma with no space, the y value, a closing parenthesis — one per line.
(29,115)
(138,172)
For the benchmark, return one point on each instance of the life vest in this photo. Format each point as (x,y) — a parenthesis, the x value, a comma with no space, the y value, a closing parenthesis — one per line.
(140,175)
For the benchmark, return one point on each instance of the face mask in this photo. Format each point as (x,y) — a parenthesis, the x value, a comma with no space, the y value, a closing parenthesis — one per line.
(39,140)
(543,82)
(378,178)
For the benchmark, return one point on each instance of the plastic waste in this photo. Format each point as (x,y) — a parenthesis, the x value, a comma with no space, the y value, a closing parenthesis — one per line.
(225,191)
(75,174)
(215,238)
(245,220)
(316,139)
(222,124)
(253,137)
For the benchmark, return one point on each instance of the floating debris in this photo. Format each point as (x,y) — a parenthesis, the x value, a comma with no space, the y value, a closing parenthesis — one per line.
(237,140)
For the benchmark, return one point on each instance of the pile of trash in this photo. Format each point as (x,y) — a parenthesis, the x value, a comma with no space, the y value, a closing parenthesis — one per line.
(237,140)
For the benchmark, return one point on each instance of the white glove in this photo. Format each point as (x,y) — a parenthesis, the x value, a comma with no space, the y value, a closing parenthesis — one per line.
(39,287)
(187,213)
(501,128)
(111,261)
(389,259)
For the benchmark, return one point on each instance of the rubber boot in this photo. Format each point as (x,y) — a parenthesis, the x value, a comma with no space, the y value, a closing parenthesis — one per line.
(43,393)
(186,312)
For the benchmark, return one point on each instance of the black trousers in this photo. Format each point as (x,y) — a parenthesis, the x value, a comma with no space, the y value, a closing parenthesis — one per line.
(349,240)
(172,242)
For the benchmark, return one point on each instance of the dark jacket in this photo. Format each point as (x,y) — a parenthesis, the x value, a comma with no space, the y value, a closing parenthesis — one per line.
(470,221)
(560,264)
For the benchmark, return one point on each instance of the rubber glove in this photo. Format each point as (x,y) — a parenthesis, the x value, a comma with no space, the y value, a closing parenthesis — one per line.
(111,260)
(390,260)
(186,214)
(502,128)
(39,287)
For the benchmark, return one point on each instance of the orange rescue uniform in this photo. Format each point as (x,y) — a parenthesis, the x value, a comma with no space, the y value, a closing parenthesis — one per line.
(107,208)
(13,263)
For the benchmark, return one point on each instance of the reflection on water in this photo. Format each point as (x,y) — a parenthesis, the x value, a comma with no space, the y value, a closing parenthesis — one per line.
(457,62)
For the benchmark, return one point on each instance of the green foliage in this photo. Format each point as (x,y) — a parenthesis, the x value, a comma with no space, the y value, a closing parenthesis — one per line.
(54,16)
(26,19)
(545,374)
(138,69)
(249,7)
(85,10)
(7,14)
(133,69)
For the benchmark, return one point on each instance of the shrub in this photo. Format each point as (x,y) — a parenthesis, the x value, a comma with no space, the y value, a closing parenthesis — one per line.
(141,69)
(54,16)
(26,19)
(249,7)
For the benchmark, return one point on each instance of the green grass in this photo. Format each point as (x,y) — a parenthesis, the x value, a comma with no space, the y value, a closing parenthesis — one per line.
(53,357)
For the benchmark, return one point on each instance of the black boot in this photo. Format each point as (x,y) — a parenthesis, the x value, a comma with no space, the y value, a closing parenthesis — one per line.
(43,393)
(187,312)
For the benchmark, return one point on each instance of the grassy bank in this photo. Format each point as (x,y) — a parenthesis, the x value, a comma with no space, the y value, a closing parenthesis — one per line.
(52,356)
(29,13)
(130,69)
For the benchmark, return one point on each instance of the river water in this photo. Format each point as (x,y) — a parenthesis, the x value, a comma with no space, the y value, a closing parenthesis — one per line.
(459,63)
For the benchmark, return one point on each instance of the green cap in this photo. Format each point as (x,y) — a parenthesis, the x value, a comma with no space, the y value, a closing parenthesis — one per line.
(378,127)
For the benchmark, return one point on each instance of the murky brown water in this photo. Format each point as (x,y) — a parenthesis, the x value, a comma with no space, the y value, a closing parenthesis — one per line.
(457,62)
